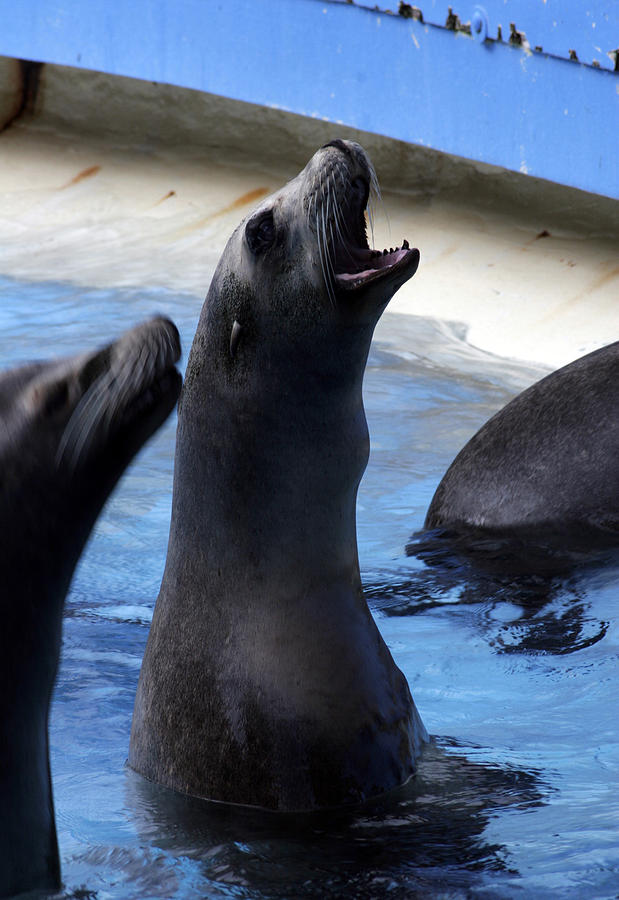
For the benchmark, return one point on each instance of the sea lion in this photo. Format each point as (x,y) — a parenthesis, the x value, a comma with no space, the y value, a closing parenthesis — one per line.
(68,430)
(265,680)
(537,488)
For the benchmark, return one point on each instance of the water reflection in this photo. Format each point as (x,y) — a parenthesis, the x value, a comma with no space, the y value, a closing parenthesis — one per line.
(516,552)
(421,840)
(538,613)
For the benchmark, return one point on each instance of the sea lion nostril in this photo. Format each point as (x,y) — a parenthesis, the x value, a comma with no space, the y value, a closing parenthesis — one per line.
(339,144)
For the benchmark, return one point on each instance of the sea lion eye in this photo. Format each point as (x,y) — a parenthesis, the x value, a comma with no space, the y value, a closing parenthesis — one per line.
(260,232)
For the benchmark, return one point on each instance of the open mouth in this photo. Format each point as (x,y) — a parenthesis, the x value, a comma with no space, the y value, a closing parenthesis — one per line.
(363,265)
(354,264)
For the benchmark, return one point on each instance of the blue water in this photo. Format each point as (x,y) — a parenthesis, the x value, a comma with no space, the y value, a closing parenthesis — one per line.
(516,679)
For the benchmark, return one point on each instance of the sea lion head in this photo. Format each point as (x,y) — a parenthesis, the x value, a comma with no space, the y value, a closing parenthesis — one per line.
(299,267)
(69,428)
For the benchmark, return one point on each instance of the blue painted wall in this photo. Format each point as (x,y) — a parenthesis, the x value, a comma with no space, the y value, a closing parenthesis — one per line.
(587,28)
(536,112)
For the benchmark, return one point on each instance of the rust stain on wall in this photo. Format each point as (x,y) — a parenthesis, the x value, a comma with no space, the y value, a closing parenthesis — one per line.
(85,173)
(166,197)
(243,200)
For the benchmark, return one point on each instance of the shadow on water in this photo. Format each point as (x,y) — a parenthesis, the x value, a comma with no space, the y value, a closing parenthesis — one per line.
(547,612)
(424,839)
(515,552)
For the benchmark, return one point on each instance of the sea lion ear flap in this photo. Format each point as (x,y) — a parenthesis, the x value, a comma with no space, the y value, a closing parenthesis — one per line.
(235,337)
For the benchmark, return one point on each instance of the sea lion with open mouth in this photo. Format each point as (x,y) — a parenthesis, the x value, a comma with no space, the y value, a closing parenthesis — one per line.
(265,680)
(68,430)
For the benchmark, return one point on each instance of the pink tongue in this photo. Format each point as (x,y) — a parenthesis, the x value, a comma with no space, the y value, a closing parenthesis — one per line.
(358,276)
(384,262)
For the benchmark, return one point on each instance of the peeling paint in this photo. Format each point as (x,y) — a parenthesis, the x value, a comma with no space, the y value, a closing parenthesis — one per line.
(515,36)
(407,11)
(453,23)
(562,39)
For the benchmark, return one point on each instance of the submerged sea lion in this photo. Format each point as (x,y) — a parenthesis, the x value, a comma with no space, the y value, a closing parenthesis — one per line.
(265,680)
(68,429)
(538,486)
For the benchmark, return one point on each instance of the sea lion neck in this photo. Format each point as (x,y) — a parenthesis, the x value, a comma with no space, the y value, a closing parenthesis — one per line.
(285,435)
(286,324)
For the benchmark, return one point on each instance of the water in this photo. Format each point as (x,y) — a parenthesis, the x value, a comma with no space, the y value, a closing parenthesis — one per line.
(516,679)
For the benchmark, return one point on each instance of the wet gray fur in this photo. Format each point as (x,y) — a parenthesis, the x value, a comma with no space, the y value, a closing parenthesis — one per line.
(547,463)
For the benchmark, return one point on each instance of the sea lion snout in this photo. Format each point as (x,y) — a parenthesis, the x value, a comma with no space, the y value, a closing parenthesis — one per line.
(127,390)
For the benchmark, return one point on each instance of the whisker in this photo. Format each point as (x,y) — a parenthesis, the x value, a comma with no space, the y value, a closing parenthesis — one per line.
(146,366)
(328,260)
(122,382)
(374,186)
(167,342)
(334,223)
(73,423)
(370,212)
(337,218)
(82,420)
(326,220)
(321,254)
(341,227)
(376,195)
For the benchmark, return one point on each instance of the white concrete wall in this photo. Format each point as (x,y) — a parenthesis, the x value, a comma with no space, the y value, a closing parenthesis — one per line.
(111,181)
